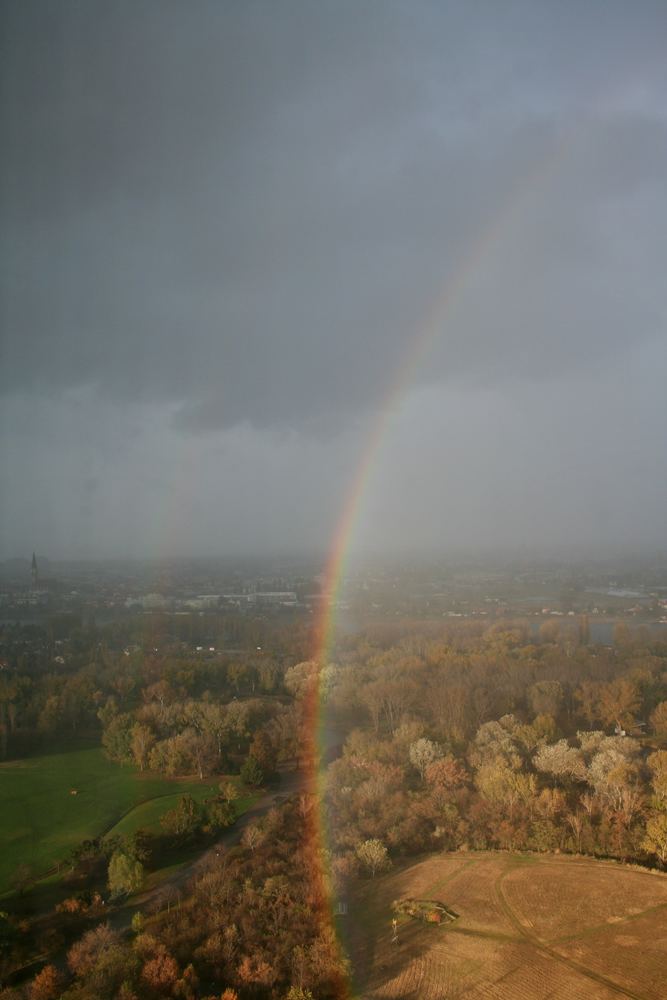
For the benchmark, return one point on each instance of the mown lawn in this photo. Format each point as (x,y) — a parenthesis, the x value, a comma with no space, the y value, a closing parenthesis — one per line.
(147,815)
(41,821)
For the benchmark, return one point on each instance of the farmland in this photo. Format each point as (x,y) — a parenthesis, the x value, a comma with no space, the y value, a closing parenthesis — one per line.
(41,819)
(527,928)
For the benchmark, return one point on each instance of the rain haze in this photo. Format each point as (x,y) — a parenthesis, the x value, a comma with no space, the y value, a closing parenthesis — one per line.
(255,253)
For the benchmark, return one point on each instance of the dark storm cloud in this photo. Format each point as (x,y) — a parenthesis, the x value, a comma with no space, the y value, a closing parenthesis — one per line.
(226,225)
(248,209)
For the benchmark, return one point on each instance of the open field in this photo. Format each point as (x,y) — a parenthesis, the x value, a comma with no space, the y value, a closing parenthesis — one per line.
(40,820)
(528,928)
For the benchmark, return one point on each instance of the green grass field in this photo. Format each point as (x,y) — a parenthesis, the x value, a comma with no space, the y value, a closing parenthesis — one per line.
(40,820)
(147,815)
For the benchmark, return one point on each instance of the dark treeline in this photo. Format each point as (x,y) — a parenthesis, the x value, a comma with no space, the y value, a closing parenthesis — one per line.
(64,682)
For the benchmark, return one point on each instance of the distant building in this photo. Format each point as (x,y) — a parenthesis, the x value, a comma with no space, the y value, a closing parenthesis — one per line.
(204,602)
(34,572)
(149,602)
(287,597)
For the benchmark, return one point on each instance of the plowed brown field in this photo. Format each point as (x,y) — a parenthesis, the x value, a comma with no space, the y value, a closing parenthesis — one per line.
(529,928)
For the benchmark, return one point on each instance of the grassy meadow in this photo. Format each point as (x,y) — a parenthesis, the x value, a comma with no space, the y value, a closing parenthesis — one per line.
(41,820)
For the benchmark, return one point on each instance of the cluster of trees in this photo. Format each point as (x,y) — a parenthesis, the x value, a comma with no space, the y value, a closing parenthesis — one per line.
(177,737)
(75,687)
(256,925)
(492,741)
(456,737)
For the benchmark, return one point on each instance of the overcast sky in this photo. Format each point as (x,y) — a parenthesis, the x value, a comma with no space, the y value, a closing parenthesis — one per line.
(235,233)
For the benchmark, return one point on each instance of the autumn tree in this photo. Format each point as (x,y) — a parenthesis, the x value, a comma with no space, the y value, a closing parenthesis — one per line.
(141,740)
(253,836)
(228,791)
(614,769)
(423,753)
(101,960)
(657,763)
(373,856)
(546,698)
(655,839)
(46,985)
(446,772)
(502,784)
(561,760)
(587,696)
(619,701)
(160,973)
(262,752)
(659,720)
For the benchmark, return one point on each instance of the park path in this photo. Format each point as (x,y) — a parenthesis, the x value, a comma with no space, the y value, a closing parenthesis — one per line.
(292,782)
(120,918)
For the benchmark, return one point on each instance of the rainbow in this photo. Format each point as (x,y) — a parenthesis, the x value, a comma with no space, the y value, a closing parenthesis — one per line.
(457,284)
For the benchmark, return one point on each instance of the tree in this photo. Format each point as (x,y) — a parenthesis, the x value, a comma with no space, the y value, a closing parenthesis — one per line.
(423,753)
(495,740)
(504,785)
(46,985)
(373,855)
(613,769)
(22,879)
(588,697)
(201,749)
(125,874)
(446,773)
(619,701)
(228,791)
(117,739)
(251,773)
(561,760)
(655,840)
(185,819)
(256,972)
(657,763)
(253,836)
(302,678)
(262,751)
(219,814)
(659,720)
(161,973)
(141,741)
(215,724)
(101,960)
(546,697)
